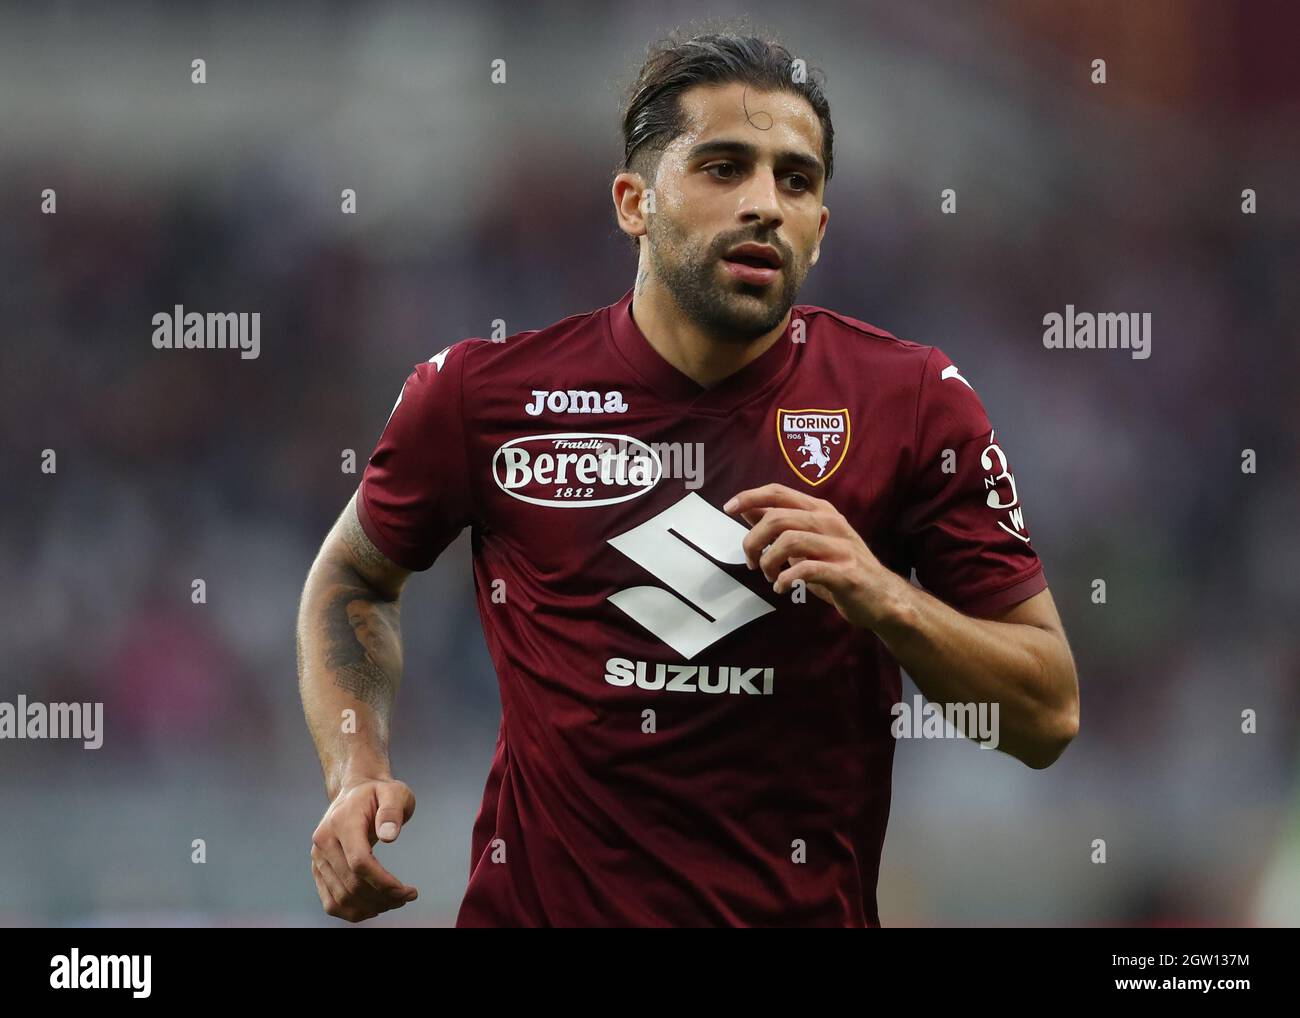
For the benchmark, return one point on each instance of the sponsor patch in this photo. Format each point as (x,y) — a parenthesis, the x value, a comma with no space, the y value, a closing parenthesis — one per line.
(575,469)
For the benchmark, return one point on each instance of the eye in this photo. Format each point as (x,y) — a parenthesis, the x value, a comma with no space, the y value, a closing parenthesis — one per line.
(713,167)
(798,181)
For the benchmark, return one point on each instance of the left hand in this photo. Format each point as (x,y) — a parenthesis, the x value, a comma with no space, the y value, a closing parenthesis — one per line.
(822,549)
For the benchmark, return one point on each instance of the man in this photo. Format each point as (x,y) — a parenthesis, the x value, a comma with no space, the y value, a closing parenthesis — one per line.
(687,738)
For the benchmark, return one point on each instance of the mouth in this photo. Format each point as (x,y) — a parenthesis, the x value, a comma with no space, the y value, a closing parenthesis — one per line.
(753,263)
(758,255)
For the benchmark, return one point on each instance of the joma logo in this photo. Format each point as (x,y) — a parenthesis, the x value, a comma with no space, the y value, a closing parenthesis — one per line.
(575,401)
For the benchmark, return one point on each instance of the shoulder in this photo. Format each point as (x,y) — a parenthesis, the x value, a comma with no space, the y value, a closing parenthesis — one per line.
(522,353)
(470,363)
(868,351)
(914,383)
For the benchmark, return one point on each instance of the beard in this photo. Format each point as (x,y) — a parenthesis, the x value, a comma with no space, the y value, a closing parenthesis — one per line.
(720,305)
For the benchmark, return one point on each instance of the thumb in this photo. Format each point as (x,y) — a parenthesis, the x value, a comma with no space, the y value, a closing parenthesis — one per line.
(392,812)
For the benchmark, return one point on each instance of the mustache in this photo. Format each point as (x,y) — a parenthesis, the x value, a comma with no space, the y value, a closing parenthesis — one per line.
(725,243)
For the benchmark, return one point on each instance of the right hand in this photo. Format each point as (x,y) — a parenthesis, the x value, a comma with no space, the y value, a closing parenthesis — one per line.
(351,883)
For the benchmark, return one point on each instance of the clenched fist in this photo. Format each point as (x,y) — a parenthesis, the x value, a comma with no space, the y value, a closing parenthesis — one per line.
(351,883)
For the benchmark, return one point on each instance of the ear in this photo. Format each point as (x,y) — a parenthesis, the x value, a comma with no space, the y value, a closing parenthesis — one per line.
(821,232)
(628,193)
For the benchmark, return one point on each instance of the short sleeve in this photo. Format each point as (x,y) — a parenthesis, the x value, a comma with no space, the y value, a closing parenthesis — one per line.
(963,525)
(415,495)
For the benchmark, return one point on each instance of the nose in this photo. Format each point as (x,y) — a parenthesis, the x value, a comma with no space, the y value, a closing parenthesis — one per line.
(758,202)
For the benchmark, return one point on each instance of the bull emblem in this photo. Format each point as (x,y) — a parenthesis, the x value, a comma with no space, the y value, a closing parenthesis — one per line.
(813,442)
(812,446)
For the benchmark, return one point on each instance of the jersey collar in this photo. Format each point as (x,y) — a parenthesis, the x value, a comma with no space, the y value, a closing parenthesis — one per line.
(671,385)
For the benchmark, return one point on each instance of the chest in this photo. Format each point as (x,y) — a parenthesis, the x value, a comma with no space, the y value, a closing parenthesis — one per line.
(572,496)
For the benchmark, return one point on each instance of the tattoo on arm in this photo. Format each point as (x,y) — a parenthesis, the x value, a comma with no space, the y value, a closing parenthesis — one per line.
(363,650)
(366,554)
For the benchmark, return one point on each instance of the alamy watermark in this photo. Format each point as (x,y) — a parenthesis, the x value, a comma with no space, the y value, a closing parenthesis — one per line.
(75,971)
(179,329)
(921,720)
(23,720)
(1106,331)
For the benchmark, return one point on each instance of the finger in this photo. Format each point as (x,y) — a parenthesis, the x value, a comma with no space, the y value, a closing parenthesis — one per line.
(816,588)
(355,890)
(337,908)
(754,514)
(324,873)
(326,899)
(354,837)
(769,496)
(396,805)
(820,577)
(799,543)
(329,856)
(772,525)
(354,899)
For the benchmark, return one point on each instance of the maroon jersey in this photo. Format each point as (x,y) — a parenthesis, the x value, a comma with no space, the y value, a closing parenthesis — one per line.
(679,745)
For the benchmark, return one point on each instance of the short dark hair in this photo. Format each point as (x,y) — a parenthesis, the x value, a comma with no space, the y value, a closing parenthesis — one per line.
(652,114)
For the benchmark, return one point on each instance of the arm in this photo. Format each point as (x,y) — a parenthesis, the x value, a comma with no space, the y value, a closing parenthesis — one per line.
(350,651)
(350,659)
(1019,660)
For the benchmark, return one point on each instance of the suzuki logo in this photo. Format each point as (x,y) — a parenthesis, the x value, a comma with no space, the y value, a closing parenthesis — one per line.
(659,545)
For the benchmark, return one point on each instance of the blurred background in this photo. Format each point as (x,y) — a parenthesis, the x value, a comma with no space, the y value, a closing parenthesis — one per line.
(478,201)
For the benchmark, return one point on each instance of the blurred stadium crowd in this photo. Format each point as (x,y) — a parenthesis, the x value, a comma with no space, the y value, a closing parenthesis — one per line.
(479,201)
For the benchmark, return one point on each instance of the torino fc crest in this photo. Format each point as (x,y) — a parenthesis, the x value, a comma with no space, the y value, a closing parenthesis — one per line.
(813,441)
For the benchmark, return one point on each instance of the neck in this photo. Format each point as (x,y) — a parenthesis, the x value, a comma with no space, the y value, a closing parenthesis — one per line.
(701,356)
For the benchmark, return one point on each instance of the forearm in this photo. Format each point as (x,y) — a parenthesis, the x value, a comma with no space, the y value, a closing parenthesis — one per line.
(349,659)
(954,658)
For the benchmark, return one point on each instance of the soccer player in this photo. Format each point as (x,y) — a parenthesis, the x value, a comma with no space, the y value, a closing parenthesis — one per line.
(653,489)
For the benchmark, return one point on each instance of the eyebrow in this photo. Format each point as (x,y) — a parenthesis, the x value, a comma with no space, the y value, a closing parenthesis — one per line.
(722,146)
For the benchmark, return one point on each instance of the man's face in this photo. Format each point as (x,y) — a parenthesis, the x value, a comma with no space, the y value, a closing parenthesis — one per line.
(374,634)
(747,169)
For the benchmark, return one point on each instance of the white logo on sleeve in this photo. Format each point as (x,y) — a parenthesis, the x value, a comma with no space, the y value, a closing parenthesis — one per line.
(659,545)
(994,500)
(437,361)
(395,405)
(951,372)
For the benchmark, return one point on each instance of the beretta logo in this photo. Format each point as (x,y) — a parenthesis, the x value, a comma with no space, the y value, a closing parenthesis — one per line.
(576,469)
